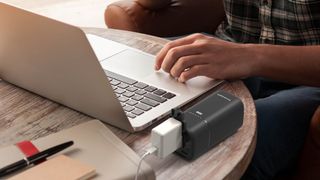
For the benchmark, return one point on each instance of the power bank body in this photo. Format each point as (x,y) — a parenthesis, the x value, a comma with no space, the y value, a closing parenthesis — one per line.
(208,122)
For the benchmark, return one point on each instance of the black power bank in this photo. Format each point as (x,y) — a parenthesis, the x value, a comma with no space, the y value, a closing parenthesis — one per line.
(208,122)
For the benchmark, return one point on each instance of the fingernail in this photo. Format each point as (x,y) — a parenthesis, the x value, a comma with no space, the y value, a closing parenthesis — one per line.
(181,80)
(156,67)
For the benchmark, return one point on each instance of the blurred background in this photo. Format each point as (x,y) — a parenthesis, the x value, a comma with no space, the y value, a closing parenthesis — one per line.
(84,13)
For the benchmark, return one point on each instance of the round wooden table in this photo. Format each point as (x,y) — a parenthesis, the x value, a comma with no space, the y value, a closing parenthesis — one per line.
(26,116)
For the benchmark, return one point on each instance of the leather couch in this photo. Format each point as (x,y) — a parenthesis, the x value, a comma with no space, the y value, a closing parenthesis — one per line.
(163,17)
(167,18)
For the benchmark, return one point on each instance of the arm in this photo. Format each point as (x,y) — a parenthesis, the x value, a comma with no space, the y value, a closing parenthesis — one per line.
(207,56)
(165,17)
(291,64)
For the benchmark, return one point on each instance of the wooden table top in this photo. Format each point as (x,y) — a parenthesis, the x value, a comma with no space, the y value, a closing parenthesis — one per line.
(26,116)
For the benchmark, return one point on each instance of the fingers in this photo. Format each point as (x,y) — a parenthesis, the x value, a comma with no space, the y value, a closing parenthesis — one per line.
(197,70)
(164,51)
(182,58)
(186,62)
(179,42)
(174,55)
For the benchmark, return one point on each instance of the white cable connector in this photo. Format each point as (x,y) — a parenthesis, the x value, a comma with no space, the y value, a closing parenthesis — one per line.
(167,137)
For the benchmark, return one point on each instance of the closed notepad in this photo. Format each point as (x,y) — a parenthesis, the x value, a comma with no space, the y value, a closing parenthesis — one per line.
(58,168)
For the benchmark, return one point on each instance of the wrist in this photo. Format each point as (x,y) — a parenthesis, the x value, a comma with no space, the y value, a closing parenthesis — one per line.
(255,58)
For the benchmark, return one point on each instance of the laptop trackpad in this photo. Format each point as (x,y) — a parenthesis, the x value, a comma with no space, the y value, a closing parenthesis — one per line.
(130,63)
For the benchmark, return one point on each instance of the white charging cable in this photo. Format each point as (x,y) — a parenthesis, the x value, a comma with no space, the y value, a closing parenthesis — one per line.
(147,153)
(165,139)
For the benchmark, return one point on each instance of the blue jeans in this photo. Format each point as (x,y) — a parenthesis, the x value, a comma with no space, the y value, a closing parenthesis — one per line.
(283,116)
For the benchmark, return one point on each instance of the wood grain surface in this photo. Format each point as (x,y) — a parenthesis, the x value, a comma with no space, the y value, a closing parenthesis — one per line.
(26,116)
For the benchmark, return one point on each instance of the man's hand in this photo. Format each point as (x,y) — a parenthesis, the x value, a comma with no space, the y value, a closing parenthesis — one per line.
(200,55)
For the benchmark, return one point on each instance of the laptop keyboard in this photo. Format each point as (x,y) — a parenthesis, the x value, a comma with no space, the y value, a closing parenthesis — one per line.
(136,97)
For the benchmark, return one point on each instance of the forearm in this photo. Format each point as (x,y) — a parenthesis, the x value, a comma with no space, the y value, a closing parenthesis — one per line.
(291,64)
(199,55)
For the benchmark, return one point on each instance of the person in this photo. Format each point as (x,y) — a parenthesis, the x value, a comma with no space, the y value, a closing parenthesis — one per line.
(274,46)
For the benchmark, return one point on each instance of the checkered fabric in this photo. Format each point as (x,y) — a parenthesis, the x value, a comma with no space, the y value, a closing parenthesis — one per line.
(285,22)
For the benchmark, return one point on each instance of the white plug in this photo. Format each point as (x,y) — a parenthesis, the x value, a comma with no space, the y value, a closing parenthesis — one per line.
(167,137)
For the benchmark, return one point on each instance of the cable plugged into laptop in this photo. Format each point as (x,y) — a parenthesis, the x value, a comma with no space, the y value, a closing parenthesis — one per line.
(196,130)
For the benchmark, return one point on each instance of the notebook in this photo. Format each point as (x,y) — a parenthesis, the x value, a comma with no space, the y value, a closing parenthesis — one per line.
(57,168)
(95,145)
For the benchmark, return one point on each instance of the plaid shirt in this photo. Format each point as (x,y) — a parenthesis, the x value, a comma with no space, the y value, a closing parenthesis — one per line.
(286,22)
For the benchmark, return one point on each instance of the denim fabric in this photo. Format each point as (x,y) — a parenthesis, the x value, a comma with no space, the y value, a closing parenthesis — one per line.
(283,115)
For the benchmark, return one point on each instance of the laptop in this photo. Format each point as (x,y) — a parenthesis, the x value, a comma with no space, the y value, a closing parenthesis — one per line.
(101,78)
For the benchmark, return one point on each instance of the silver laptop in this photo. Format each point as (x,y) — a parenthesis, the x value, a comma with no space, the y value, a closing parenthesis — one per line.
(106,80)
